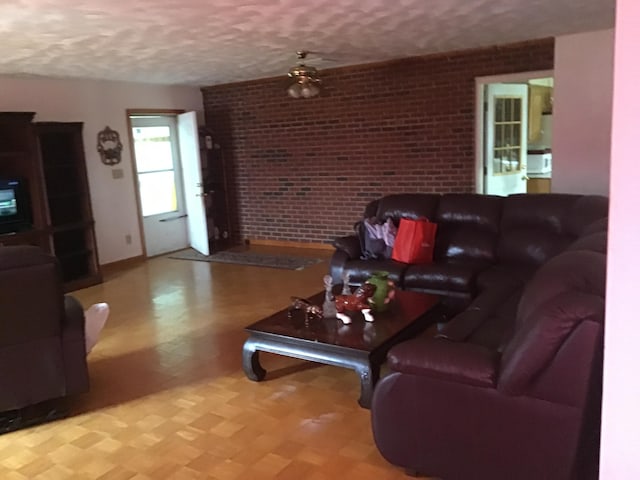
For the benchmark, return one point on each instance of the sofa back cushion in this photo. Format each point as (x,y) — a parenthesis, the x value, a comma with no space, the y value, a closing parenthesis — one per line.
(407,205)
(534,227)
(595,242)
(468,226)
(588,213)
(568,290)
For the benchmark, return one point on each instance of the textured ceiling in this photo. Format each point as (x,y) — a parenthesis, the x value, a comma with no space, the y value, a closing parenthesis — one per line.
(207,42)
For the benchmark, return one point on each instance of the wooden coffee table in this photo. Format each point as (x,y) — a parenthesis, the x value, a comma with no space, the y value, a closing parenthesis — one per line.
(361,346)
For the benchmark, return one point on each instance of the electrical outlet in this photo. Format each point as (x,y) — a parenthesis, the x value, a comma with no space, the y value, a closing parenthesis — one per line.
(127,239)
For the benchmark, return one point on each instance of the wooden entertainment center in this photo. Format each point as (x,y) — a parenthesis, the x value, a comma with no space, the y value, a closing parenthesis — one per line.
(49,158)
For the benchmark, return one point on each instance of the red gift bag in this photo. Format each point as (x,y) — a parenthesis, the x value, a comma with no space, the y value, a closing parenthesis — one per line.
(415,241)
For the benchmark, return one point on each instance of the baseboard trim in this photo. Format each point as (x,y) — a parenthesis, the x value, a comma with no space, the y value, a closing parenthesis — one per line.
(122,264)
(286,243)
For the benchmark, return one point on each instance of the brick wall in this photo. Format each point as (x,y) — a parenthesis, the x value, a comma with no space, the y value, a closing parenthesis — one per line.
(302,170)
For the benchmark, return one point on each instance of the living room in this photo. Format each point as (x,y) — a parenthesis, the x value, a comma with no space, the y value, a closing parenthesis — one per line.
(424,160)
(315,147)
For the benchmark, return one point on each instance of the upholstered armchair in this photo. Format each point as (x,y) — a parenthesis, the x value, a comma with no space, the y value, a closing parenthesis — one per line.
(42,348)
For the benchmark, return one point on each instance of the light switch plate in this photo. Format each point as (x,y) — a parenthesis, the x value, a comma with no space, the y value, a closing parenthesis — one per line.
(117,173)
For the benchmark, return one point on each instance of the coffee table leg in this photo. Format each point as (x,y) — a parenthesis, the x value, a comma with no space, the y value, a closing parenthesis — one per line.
(369,375)
(251,361)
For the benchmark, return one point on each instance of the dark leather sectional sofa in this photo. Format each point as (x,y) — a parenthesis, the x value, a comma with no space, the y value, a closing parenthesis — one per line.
(42,345)
(509,387)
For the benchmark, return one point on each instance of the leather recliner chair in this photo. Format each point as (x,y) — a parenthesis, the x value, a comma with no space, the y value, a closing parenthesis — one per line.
(42,346)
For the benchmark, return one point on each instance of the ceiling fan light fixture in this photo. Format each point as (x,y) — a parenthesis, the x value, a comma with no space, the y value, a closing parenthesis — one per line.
(309,90)
(295,91)
(305,79)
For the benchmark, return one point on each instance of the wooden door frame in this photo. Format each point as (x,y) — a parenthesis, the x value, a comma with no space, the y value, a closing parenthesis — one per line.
(479,120)
(132,154)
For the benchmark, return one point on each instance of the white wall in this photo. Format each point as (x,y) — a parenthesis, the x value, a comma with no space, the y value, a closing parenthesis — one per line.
(583,85)
(620,443)
(98,104)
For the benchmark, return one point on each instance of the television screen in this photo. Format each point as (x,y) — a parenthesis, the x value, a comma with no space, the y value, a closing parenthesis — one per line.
(8,203)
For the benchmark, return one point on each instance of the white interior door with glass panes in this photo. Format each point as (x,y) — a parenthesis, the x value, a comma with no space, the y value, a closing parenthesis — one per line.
(159,174)
(505,139)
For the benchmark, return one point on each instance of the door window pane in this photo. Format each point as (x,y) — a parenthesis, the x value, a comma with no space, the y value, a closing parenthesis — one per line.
(516,108)
(499,104)
(153,149)
(158,193)
(507,139)
(507,109)
(498,136)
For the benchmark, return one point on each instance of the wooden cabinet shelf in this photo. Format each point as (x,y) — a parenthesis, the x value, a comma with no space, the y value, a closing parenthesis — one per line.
(4,154)
(63,257)
(539,103)
(34,236)
(70,217)
(56,196)
(59,166)
(73,226)
(50,157)
(214,183)
(539,185)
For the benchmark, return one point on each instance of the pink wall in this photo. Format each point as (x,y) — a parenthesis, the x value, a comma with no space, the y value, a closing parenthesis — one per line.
(620,457)
(582,112)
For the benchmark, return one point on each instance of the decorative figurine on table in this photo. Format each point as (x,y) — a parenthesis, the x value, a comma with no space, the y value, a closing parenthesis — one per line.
(329,305)
(311,312)
(346,289)
(384,293)
(357,301)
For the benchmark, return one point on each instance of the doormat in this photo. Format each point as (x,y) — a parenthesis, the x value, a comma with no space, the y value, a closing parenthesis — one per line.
(253,259)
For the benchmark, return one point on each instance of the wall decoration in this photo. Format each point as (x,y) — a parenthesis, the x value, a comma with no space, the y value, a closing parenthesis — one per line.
(109,146)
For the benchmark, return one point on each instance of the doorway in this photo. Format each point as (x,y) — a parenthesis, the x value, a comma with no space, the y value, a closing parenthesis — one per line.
(167,167)
(513,133)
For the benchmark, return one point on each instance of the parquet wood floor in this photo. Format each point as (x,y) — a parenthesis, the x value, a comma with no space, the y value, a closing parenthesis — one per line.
(169,399)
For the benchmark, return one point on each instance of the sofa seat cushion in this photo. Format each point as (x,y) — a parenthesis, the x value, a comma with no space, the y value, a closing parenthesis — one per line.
(442,276)
(505,276)
(488,321)
(361,270)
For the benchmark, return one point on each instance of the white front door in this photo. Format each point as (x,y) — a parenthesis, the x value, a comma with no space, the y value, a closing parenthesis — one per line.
(193,192)
(505,139)
(159,175)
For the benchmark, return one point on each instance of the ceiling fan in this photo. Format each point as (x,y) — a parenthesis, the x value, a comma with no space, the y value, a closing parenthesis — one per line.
(305,78)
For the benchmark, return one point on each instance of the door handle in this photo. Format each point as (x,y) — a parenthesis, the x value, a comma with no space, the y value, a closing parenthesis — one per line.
(524,177)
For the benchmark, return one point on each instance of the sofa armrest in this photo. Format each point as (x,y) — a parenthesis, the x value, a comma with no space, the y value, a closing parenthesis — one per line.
(73,315)
(445,360)
(349,244)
